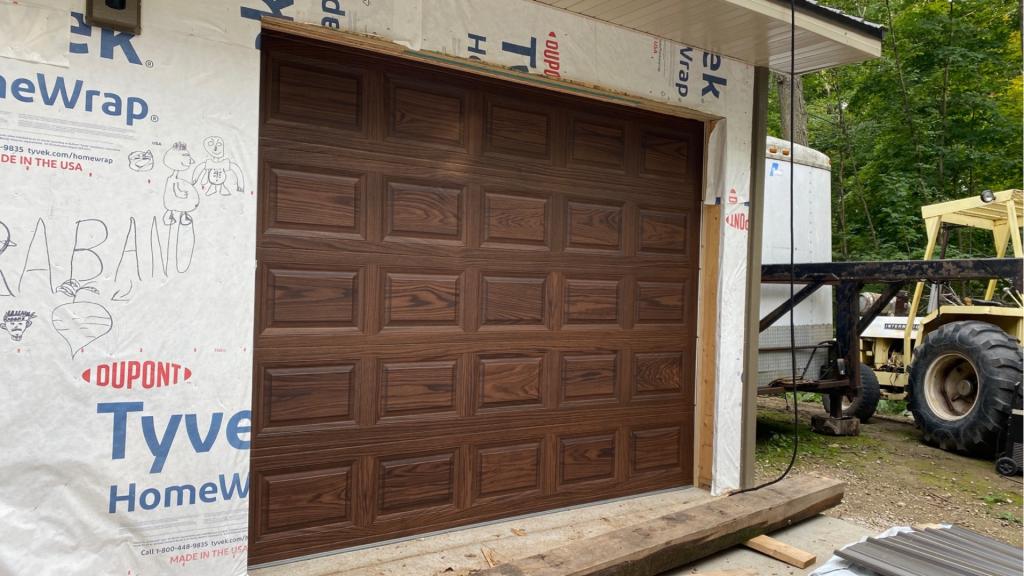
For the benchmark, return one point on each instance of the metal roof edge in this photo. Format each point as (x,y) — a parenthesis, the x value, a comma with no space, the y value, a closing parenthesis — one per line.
(838,16)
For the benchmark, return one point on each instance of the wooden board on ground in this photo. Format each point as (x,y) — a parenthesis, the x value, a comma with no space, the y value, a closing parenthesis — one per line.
(682,537)
(781,551)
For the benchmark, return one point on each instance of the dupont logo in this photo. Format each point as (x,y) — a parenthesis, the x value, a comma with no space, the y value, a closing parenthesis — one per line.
(133,374)
(738,220)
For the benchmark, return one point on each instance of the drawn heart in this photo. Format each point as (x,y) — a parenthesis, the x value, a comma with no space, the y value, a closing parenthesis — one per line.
(81,324)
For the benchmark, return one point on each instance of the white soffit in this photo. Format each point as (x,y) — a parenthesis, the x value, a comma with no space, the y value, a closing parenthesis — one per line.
(752,31)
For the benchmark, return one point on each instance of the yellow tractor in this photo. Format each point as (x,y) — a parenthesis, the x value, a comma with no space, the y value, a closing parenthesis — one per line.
(957,359)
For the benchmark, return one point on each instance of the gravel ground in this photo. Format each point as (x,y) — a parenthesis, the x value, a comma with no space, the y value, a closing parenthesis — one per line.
(892,478)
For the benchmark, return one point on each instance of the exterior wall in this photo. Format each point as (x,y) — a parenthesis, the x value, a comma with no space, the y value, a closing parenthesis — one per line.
(129,391)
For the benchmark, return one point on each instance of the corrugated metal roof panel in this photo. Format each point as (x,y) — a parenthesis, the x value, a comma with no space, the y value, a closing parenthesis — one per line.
(952,551)
(843,17)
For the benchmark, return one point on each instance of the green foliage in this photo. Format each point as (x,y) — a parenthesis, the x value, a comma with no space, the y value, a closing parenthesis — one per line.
(896,407)
(993,498)
(1008,516)
(809,397)
(937,117)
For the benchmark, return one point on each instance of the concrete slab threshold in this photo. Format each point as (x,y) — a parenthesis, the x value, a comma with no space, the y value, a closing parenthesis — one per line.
(461,551)
(455,552)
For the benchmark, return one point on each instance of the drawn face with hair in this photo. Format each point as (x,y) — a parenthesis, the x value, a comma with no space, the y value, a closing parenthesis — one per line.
(141,160)
(16,322)
(214,146)
(178,159)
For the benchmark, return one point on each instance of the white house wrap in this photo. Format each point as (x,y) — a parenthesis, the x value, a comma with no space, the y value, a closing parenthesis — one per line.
(128,181)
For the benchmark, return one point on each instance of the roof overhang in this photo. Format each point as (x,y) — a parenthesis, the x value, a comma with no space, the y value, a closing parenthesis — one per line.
(753,31)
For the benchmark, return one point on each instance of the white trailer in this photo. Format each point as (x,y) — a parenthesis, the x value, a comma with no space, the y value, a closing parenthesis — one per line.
(812,211)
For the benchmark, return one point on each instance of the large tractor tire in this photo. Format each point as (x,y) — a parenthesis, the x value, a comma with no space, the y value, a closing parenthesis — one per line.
(962,385)
(863,404)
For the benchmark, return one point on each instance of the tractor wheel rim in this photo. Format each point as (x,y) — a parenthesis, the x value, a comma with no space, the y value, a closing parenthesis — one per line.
(951,386)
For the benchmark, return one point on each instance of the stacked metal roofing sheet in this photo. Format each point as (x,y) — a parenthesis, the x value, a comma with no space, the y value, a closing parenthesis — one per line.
(952,551)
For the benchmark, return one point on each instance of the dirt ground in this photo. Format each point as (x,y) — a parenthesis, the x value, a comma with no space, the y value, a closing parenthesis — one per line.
(892,478)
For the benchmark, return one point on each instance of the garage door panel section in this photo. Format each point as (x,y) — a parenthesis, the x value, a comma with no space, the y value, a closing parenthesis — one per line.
(598,142)
(594,226)
(403,487)
(426,112)
(414,483)
(413,389)
(589,377)
(510,381)
(661,376)
(307,498)
(307,200)
(309,93)
(519,129)
(508,470)
(423,211)
(475,300)
(511,302)
(665,154)
(422,299)
(590,301)
(514,220)
(304,300)
(664,232)
(659,449)
(590,458)
(303,397)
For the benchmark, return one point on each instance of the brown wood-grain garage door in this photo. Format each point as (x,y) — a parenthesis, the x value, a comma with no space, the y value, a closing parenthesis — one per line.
(474,299)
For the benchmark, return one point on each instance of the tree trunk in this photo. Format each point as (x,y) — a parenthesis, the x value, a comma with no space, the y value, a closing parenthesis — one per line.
(834,87)
(799,131)
(853,161)
(943,111)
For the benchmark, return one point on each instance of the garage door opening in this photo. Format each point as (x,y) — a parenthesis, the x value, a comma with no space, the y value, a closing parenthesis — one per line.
(475,299)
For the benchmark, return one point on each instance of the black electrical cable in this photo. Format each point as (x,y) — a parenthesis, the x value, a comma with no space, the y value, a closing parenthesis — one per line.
(792,254)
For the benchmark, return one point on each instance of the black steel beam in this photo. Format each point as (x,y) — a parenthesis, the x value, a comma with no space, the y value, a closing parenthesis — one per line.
(886,271)
(789,304)
(884,298)
(847,340)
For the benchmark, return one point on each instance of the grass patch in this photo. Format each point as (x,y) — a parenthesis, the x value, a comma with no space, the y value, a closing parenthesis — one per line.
(809,397)
(1009,517)
(894,407)
(993,498)
(775,441)
(970,477)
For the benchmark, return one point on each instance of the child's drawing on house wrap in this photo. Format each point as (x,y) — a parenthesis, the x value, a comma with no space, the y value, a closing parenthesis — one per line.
(218,173)
(80,322)
(16,322)
(180,195)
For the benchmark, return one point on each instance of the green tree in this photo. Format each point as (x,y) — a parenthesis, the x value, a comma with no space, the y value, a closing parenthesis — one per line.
(937,117)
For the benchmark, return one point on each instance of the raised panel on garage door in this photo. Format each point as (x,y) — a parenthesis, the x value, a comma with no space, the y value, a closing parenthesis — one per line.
(475,300)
